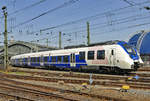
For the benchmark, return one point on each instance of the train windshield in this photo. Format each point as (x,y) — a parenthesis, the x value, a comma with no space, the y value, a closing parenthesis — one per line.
(130,49)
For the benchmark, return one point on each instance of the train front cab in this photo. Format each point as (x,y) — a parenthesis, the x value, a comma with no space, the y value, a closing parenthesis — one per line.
(133,54)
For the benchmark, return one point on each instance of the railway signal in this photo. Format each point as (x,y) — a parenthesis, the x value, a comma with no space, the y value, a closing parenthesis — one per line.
(136,77)
(91,80)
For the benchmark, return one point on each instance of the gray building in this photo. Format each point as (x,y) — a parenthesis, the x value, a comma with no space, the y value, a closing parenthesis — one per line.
(21,47)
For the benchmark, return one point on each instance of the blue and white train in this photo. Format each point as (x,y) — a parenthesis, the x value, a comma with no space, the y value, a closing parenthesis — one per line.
(108,56)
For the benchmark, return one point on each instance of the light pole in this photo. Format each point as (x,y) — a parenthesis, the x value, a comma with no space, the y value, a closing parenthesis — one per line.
(88,33)
(5,40)
(37,45)
(59,40)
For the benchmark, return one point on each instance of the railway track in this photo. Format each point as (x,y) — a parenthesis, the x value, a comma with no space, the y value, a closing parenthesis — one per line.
(26,87)
(72,78)
(13,97)
(141,74)
(143,77)
(116,83)
(144,69)
(32,94)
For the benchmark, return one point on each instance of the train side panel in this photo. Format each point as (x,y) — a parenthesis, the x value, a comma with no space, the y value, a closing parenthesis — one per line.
(93,57)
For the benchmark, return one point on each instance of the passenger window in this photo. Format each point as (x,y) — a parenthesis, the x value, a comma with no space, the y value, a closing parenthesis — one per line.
(101,54)
(25,60)
(90,55)
(32,59)
(38,59)
(41,58)
(20,60)
(45,59)
(65,58)
(59,58)
(53,58)
(81,55)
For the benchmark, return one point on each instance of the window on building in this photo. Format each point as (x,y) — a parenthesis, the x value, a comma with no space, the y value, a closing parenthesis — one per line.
(81,55)
(101,54)
(90,55)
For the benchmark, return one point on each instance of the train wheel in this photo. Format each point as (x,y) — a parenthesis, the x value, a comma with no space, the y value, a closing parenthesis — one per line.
(103,70)
(115,70)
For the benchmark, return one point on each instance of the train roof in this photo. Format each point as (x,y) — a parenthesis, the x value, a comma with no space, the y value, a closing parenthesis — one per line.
(94,44)
(68,48)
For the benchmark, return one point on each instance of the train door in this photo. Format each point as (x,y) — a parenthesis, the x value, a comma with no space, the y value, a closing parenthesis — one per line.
(113,57)
(41,61)
(28,61)
(21,61)
(72,60)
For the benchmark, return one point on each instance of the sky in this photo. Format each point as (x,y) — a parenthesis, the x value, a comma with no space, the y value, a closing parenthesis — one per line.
(108,19)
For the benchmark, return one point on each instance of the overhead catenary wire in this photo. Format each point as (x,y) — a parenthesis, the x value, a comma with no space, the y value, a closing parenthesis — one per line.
(119,21)
(114,22)
(83,19)
(42,39)
(124,28)
(47,12)
(90,17)
(26,8)
(128,2)
(83,26)
(114,13)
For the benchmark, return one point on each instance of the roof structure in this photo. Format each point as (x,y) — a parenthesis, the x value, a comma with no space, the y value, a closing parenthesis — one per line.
(93,44)
(141,41)
(21,47)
